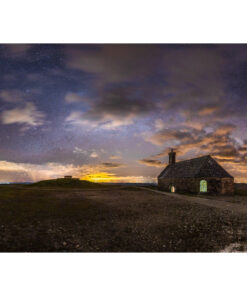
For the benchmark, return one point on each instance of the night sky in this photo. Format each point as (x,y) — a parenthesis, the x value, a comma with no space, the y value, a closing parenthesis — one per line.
(111,112)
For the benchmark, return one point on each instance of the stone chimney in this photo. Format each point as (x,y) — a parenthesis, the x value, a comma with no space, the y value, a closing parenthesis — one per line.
(172,156)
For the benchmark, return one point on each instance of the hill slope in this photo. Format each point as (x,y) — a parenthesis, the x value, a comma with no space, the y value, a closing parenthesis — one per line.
(66,183)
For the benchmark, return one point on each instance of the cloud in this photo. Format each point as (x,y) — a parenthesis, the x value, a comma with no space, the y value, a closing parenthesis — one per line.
(90,153)
(188,138)
(208,110)
(162,80)
(94,155)
(114,109)
(33,172)
(224,129)
(159,81)
(115,157)
(122,79)
(11,96)
(16,50)
(106,121)
(28,115)
(78,150)
(152,162)
(159,124)
(191,71)
(71,97)
(168,135)
(115,63)
(111,165)
(196,85)
(189,143)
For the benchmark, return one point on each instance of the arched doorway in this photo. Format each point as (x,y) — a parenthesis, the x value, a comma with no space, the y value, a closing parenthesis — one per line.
(203,186)
(173,189)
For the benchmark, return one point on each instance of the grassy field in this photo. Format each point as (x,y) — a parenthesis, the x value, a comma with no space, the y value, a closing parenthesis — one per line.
(96,218)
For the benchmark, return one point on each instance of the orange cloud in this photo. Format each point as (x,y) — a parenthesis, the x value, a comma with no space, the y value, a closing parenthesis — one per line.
(208,110)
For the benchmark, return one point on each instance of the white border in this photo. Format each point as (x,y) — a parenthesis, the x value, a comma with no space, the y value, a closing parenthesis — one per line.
(122,274)
(129,21)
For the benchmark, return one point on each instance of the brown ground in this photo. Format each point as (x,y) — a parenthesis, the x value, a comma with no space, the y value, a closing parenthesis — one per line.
(236,199)
(113,219)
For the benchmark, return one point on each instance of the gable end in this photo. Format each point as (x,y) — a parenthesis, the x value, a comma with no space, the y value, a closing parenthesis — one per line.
(211,168)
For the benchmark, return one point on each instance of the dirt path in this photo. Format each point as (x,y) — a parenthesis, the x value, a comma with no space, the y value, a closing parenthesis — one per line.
(223,205)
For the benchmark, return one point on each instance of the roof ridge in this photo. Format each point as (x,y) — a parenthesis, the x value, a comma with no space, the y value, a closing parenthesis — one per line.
(193,158)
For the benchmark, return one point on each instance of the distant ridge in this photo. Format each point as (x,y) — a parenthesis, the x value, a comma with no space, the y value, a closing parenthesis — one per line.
(14,183)
(66,183)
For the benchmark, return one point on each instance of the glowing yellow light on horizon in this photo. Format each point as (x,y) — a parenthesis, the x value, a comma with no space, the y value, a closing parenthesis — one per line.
(100,177)
(103,177)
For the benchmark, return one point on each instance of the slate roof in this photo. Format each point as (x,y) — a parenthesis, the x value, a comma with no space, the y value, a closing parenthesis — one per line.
(199,167)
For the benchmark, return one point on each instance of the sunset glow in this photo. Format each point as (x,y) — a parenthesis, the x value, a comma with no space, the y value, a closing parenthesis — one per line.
(111,178)
(100,178)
